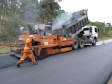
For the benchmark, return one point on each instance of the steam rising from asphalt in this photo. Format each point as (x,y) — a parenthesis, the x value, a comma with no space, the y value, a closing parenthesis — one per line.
(60,20)
(66,18)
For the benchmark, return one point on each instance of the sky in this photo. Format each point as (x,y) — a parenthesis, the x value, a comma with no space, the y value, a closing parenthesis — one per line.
(98,10)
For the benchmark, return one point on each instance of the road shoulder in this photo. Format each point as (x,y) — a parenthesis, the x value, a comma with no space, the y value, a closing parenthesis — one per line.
(4,54)
(110,80)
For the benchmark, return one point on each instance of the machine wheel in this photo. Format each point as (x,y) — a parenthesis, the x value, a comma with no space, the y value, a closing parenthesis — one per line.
(94,43)
(36,57)
(75,45)
(81,43)
(43,54)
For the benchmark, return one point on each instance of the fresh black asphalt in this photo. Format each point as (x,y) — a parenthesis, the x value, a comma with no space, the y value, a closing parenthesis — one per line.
(91,65)
(7,61)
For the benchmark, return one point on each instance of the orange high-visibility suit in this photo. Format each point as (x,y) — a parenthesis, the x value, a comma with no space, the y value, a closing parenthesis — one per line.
(27,53)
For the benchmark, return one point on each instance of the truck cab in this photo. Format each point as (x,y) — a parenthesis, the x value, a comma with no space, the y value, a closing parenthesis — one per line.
(91,32)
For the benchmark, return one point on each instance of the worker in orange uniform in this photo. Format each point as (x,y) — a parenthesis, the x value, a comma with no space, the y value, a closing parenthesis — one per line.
(27,52)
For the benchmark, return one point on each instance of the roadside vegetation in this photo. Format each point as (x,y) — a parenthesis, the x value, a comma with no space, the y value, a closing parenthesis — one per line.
(4,50)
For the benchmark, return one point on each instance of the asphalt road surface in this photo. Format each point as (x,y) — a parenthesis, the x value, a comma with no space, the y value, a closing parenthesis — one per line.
(91,65)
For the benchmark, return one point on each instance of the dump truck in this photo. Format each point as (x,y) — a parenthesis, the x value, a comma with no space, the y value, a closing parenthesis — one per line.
(69,37)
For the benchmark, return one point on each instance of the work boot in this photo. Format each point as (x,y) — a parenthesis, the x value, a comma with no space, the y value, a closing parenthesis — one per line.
(34,63)
(18,63)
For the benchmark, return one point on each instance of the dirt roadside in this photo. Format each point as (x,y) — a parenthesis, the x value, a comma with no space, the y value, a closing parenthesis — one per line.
(3,54)
(110,80)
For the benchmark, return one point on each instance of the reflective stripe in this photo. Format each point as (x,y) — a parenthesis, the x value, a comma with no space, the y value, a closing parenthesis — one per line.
(21,59)
(27,48)
(33,60)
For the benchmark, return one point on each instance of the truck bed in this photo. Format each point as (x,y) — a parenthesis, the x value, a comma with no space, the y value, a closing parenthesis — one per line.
(75,26)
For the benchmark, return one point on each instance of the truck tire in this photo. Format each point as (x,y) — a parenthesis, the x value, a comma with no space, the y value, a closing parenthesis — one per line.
(75,45)
(94,43)
(81,43)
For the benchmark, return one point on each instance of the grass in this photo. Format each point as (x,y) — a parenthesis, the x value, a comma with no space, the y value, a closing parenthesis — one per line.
(104,38)
(5,50)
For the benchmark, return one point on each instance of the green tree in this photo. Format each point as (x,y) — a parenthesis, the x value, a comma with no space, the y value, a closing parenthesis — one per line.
(29,10)
(10,20)
(47,10)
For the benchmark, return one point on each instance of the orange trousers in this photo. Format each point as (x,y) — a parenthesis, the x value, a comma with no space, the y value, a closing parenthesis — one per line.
(30,55)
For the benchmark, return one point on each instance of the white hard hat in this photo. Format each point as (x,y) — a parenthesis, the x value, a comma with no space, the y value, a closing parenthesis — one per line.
(31,36)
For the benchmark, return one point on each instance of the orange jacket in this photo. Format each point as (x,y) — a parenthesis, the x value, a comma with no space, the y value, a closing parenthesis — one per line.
(28,47)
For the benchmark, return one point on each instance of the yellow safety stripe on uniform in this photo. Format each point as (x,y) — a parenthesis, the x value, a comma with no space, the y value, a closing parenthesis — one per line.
(33,60)
(21,59)
(27,48)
